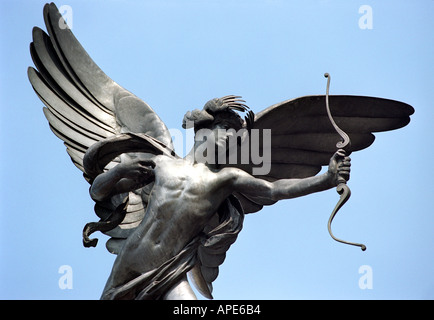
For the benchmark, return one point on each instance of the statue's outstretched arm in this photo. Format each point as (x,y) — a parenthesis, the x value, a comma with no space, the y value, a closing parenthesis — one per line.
(122,178)
(339,166)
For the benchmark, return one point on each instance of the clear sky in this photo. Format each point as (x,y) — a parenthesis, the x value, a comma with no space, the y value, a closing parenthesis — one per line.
(176,55)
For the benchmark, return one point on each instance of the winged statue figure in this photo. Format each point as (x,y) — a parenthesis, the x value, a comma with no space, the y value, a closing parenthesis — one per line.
(168,216)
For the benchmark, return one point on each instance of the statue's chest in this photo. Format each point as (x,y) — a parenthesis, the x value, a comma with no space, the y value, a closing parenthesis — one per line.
(182,177)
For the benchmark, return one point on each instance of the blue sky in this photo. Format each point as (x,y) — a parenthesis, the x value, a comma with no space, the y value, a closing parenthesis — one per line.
(176,55)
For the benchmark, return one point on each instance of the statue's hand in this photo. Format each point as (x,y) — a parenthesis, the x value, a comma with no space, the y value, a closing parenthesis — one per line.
(137,169)
(339,168)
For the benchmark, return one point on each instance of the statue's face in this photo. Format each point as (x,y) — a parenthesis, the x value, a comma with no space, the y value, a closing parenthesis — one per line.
(217,128)
(215,144)
(215,136)
(221,134)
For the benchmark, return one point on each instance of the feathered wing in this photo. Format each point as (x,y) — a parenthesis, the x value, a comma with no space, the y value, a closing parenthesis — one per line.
(85,106)
(303,138)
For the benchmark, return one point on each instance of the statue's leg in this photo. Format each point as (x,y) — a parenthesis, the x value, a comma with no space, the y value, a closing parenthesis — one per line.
(180,291)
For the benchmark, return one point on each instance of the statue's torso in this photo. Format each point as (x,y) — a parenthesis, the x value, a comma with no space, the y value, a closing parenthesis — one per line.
(184,197)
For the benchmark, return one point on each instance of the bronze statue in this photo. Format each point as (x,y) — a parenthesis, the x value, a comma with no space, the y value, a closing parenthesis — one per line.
(166,215)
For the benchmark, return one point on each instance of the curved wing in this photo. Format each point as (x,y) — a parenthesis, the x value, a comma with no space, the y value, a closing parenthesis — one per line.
(84,106)
(303,139)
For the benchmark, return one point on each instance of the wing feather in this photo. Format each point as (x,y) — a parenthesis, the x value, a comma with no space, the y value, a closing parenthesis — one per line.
(84,106)
(82,70)
(317,142)
(54,73)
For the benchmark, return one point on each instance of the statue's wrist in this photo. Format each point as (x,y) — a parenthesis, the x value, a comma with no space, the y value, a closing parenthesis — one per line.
(329,180)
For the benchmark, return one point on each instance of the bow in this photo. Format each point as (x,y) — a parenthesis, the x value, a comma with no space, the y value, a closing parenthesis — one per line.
(344,147)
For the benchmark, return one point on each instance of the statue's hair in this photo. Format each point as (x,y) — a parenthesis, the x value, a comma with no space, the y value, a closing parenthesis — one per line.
(220,110)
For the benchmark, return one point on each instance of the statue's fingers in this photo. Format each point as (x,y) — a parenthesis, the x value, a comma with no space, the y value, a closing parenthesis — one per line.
(147,163)
(346,163)
(344,168)
(344,174)
(340,153)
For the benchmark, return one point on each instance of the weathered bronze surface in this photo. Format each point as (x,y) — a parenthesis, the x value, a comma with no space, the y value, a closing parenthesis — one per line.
(166,215)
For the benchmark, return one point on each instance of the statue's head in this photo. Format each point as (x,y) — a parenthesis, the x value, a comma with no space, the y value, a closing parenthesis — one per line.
(217,125)
(219,112)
